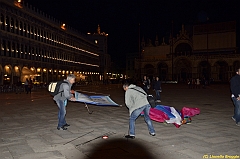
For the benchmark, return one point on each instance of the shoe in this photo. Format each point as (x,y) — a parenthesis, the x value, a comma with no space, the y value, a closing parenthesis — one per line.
(153,134)
(66,125)
(233,118)
(158,101)
(61,128)
(129,137)
(238,124)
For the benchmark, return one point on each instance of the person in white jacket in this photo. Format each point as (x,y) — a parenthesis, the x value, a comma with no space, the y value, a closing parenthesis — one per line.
(137,102)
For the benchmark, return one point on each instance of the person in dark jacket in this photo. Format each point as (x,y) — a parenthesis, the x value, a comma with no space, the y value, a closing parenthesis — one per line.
(235,89)
(146,83)
(157,88)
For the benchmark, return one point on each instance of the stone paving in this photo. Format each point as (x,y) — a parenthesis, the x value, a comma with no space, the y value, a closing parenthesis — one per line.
(28,127)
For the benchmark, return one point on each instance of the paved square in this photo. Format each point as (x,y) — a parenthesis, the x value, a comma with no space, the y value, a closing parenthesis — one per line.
(28,127)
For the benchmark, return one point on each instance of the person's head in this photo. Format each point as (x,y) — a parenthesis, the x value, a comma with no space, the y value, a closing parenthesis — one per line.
(71,78)
(125,86)
(157,78)
(144,77)
(238,71)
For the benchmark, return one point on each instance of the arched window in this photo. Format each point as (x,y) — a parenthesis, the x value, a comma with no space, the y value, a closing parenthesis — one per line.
(18,51)
(22,51)
(35,33)
(183,49)
(32,32)
(38,35)
(2,23)
(13,50)
(16,27)
(9,49)
(12,27)
(26,52)
(28,31)
(8,23)
(21,28)
(25,29)
(5,48)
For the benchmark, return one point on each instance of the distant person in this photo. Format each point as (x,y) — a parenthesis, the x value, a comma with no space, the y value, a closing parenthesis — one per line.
(26,86)
(18,86)
(204,81)
(157,88)
(30,86)
(61,100)
(198,83)
(235,89)
(146,84)
(137,102)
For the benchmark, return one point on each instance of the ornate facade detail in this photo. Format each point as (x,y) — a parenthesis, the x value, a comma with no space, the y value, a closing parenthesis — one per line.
(209,52)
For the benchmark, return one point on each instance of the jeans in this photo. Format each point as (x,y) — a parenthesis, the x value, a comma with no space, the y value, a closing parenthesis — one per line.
(236,115)
(62,112)
(157,94)
(135,115)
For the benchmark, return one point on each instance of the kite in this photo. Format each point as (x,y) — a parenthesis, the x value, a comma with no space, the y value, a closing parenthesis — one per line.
(100,100)
(168,114)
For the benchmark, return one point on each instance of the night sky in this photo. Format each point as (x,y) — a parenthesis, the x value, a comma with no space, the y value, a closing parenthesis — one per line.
(120,19)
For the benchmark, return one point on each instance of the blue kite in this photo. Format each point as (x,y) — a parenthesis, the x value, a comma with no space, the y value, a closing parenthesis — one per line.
(100,100)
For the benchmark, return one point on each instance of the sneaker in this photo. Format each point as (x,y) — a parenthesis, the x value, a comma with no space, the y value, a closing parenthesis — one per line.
(238,124)
(158,101)
(233,118)
(66,125)
(129,137)
(61,128)
(153,134)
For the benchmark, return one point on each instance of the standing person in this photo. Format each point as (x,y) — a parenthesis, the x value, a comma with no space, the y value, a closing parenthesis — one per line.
(157,88)
(26,86)
(30,85)
(198,83)
(146,83)
(235,89)
(61,100)
(137,102)
(18,86)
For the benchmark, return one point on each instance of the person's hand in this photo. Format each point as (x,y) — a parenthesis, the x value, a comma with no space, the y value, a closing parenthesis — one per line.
(73,99)
(72,91)
(238,98)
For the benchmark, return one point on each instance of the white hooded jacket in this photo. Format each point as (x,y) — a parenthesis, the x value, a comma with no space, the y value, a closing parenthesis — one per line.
(135,99)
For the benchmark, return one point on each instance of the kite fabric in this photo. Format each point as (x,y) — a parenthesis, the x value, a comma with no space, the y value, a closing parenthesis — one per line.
(95,99)
(170,115)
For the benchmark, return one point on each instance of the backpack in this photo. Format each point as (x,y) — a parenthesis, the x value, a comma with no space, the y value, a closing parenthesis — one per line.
(150,98)
(54,87)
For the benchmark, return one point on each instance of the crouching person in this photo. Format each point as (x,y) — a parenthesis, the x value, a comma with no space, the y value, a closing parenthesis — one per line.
(65,93)
(136,101)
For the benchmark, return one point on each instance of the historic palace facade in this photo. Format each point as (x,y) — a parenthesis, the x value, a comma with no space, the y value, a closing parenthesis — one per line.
(207,51)
(37,46)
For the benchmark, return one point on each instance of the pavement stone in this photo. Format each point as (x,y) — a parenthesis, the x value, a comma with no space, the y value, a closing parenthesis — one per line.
(28,127)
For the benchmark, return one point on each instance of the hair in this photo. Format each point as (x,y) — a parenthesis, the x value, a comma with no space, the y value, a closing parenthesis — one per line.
(70,76)
(126,85)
